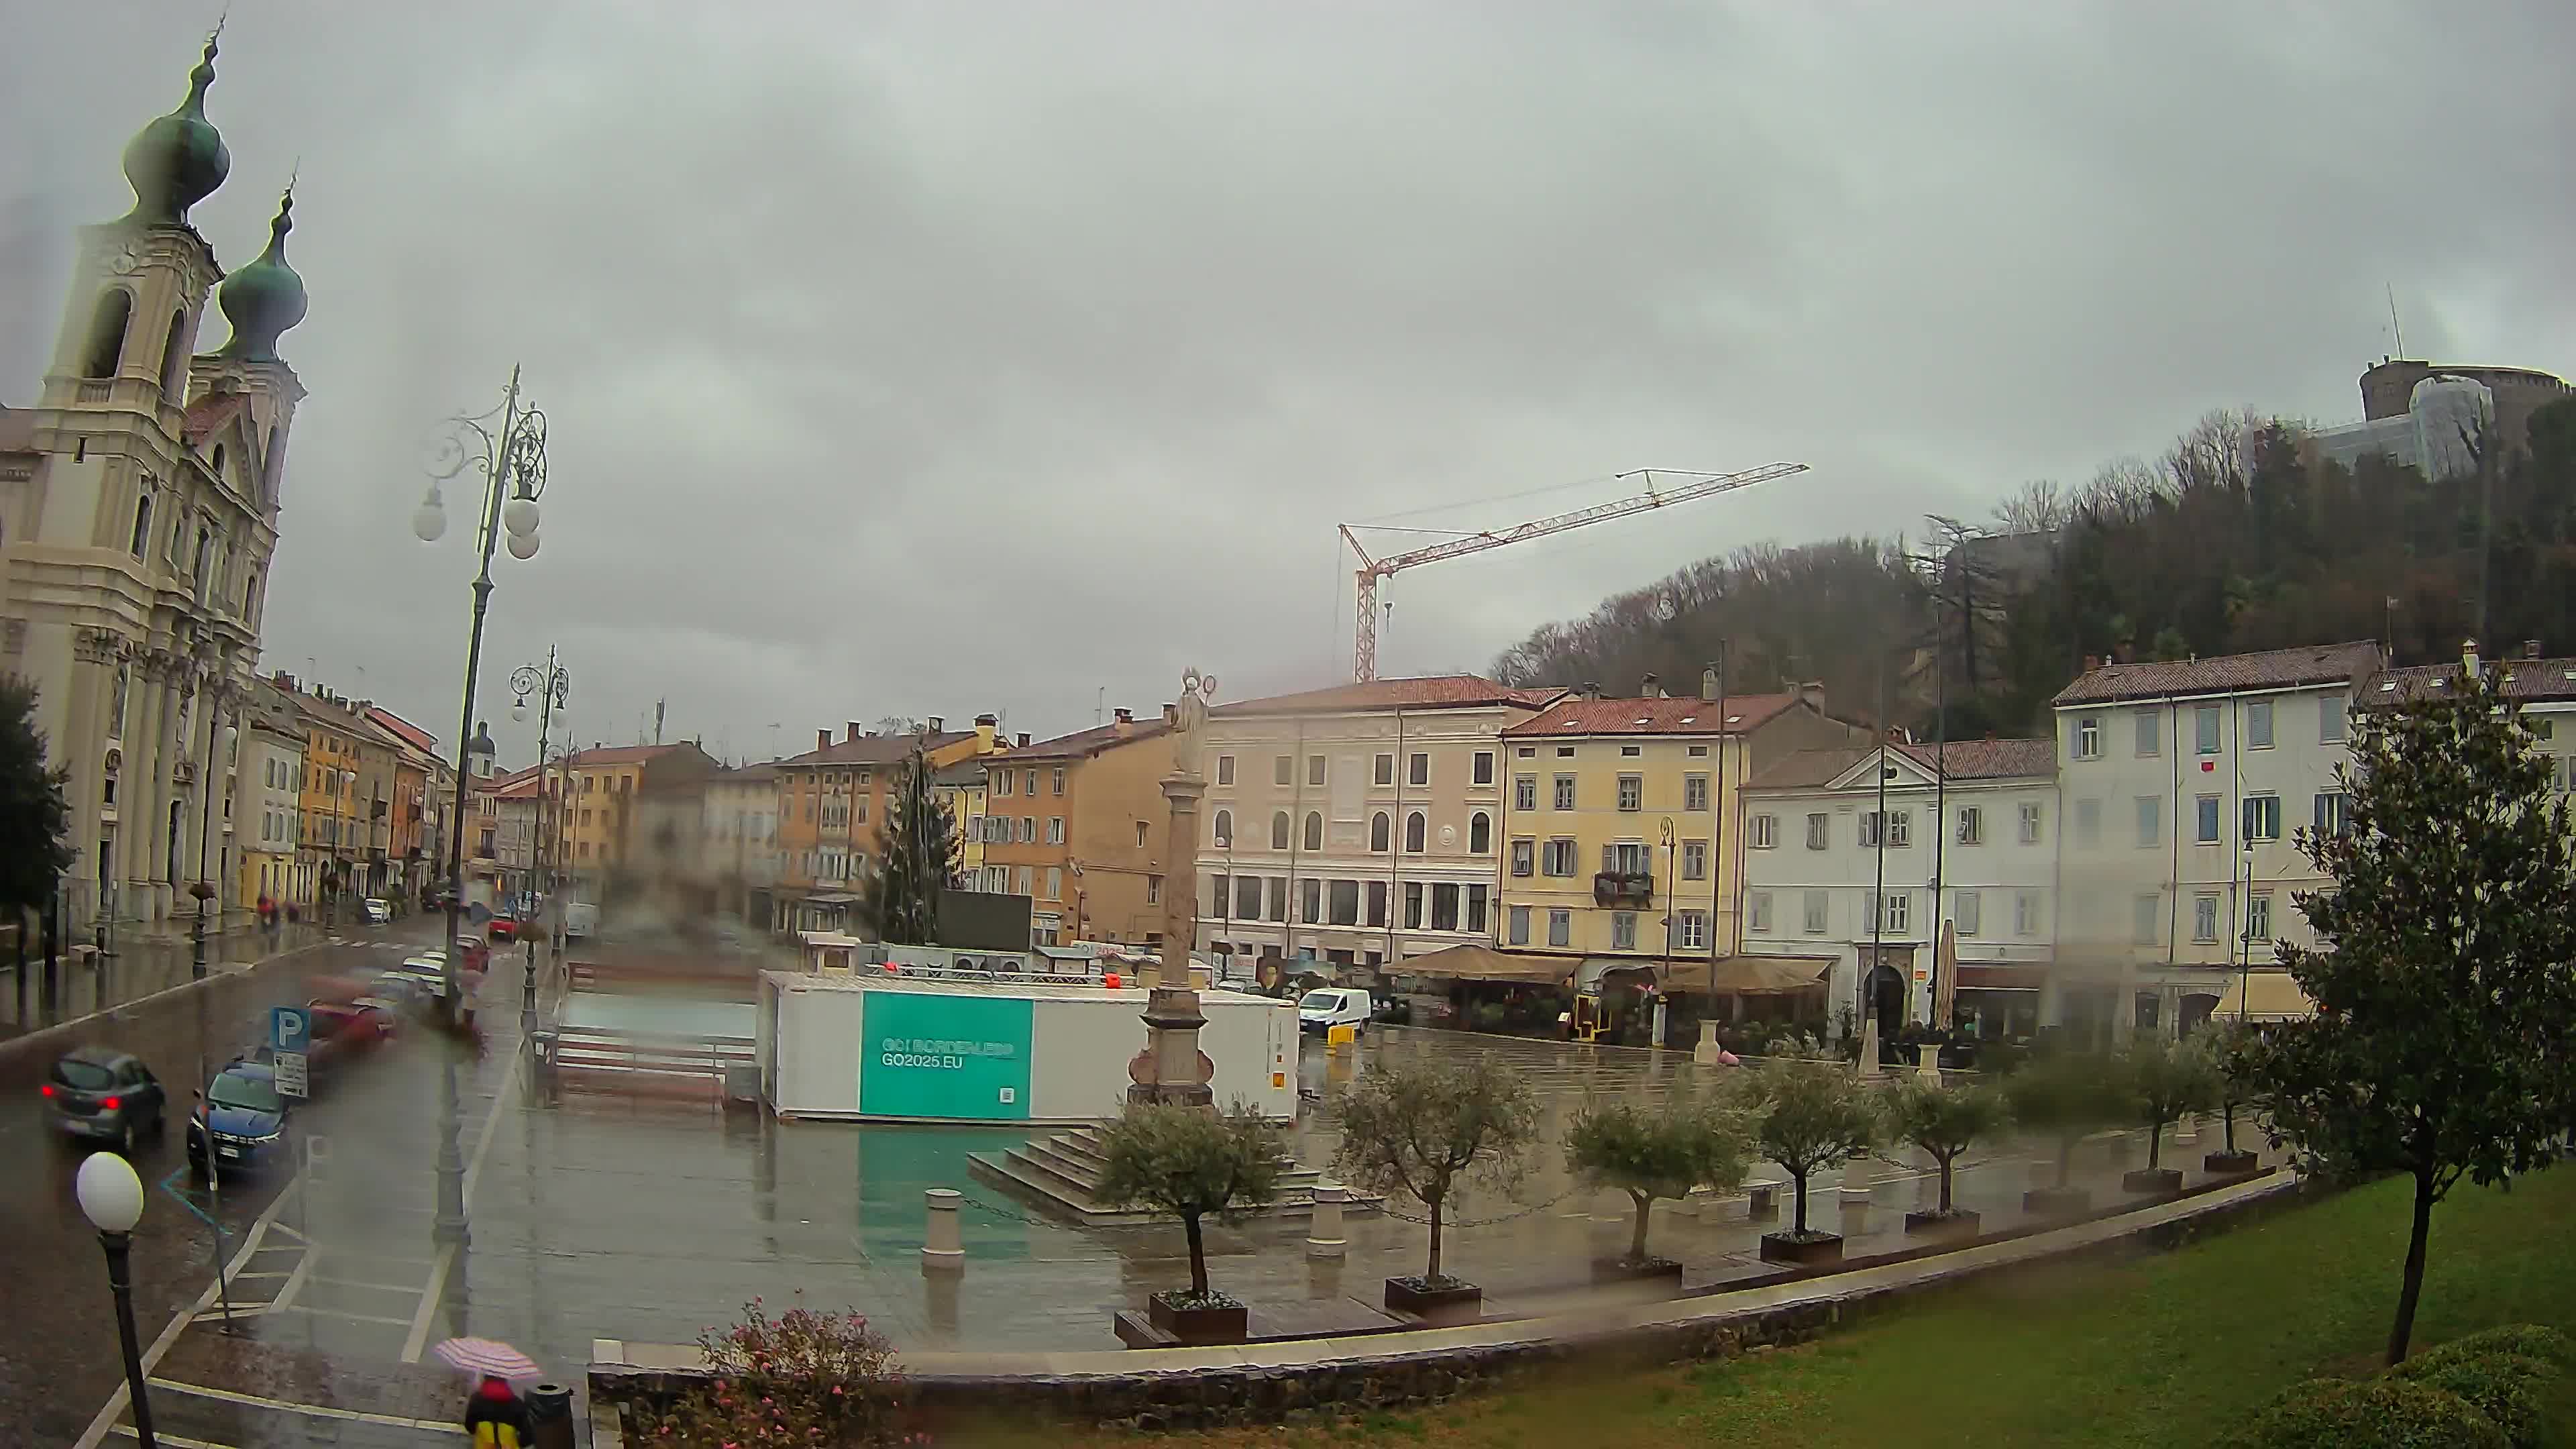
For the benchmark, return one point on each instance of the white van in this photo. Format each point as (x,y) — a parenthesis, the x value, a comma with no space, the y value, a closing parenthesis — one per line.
(1327,1007)
(580,918)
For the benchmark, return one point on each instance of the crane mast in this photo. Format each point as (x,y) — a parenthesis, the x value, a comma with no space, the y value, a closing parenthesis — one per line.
(1692,486)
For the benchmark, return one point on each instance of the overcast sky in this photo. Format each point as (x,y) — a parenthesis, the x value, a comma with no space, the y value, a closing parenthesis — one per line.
(943,357)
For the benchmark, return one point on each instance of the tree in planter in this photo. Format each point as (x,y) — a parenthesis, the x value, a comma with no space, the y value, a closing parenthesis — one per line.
(1945,1122)
(2444,1003)
(1425,1128)
(922,856)
(2163,1080)
(34,817)
(1189,1164)
(1656,1152)
(2063,1096)
(1812,1112)
(2230,1045)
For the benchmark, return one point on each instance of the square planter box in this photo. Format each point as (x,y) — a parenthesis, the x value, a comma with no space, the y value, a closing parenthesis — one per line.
(1198,1323)
(2153,1181)
(1621,1270)
(1812,1249)
(1435,1303)
(2230,1163)
(1956,1223)
(2057,1202)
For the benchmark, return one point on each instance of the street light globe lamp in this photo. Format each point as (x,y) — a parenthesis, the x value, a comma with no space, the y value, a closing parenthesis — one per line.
(111,1197)
(429,520)
(519,515)
(523,546)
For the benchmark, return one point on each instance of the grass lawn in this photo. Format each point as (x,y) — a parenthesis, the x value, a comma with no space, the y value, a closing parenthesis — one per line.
(2165,1350)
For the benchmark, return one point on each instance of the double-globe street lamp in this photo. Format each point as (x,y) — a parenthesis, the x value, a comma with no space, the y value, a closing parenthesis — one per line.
(508,447)
(552,686)
(111,1197)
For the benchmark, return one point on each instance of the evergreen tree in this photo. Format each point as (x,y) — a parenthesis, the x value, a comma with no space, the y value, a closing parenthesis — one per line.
(2444,1000)
(34,817)
(921,860)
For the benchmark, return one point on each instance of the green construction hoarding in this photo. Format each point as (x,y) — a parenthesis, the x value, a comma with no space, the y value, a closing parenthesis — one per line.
(933,1054)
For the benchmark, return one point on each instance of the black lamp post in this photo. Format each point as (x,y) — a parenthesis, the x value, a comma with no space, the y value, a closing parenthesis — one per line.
(111,1197)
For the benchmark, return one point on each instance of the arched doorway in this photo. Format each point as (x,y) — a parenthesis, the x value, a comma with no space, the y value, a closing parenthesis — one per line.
(2194,1012)
(1883,996)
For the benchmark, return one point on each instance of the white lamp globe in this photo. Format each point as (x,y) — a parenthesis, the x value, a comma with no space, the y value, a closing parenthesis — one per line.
(111,1196)
(523,545)
(519,515)
(429,521)
(519,709)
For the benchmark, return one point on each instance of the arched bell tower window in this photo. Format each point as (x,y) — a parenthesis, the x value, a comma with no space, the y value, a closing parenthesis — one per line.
(107,332)
(217,466)
(174,359)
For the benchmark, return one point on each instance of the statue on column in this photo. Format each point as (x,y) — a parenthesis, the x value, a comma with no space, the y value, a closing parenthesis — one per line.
(1171,1068)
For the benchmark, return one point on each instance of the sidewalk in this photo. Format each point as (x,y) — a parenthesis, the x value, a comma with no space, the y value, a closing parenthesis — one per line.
(85,982)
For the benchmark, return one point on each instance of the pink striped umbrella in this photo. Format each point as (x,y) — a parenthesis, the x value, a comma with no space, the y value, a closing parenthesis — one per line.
(486,1356)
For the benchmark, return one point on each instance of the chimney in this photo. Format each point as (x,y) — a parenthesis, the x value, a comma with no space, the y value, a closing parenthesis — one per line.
(1708,685)
(2531,649)
(987,727)
(1592,689)
(939,724)
(822,739)
(1812,692)
(1651,687)
(2468,656)
(2092,662)
(1123,720)
(2124,652)
(855,731)
(1023,740)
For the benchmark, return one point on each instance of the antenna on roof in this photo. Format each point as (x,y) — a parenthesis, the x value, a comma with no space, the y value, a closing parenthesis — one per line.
(2392,319)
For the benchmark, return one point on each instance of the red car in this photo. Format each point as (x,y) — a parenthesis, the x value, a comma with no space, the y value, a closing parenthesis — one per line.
(504,928)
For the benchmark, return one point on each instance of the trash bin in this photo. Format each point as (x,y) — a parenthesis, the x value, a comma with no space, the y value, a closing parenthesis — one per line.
(549,1417)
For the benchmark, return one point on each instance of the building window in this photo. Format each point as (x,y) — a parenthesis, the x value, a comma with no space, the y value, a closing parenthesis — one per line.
(2204,728)
(1632,792)
(2205,819)
(1279,830)
(1002,779)
(1224,829)
(1476,898)
(1628,857)
(2258,724)
(1757,912)
(2330,723)
(142,525)
(1413,905)
(1694,792)
(2204,918)
(1283,770)
(2088,823)
(107,332)
(2258,916)
(2262,817)
(1967,910)
(1972,825)
(1225,769)
(1525,792)
(1346,903)
(1381,832)
(1694,860)
(2142,919)
(1814,910)
(1055,783)
(2151,742)
(1484,772)
(1382,770)
(1315,770)
(1377,903)
(2025,913)
(1028,782)
(1557,857)
(1028,830)
(1560,927)
(1310,901)
(1565,752)
(1524,857)
(1631,751)
(2088,738)
(2333,812)
(1314,830)
(1419,770)
(1900,827)
(1820,830)
(1623,930)
(1444,906)
(1247,897)
(2151,820)
(2030,822)
(1896,828)
(1896,911)
(1416,827)
(1480,833)
(1564,799)
(1055,830)
(1517,932)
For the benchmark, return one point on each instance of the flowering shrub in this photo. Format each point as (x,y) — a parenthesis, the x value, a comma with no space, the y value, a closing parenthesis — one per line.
(804,1378)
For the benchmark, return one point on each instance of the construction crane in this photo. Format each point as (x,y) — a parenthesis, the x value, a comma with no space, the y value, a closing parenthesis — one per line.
(1695,486)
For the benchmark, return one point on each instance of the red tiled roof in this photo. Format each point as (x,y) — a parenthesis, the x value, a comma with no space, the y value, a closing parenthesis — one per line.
(1658,716)
(872,750)
(1084,743)
(411,734)
(2524,679)
(1434,691)
(210,412)
(2224,674)
(1987,759)
(599,755)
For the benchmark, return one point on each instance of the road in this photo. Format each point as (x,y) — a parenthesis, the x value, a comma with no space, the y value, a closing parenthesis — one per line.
(58,1355)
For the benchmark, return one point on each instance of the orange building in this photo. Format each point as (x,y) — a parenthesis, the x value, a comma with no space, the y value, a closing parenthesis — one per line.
(624,812)
(831,813)
(1078,823)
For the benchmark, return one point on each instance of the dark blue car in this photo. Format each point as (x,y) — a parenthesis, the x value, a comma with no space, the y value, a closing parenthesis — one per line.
(241,1120)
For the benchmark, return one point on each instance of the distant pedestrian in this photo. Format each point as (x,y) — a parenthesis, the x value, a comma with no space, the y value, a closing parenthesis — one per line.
(495,1416)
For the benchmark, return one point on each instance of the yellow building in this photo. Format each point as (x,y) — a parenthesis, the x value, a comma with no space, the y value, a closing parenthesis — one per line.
(962,791)
(628,811)
(1622,820)
(332,845)
(832,806)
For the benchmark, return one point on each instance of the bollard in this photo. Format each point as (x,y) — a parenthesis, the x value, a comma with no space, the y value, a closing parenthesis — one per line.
(1927,1063)
(941,1292)
(1857,1174)
(549,1416)
(1324,1231)
(943,1247)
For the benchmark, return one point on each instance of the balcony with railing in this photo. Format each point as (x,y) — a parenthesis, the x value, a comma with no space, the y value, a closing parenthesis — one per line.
(1623,889)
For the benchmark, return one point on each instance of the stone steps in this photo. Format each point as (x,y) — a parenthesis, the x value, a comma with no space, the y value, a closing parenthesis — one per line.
(1062,1174)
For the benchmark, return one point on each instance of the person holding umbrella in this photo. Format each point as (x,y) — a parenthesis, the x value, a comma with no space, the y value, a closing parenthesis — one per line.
(495,1416)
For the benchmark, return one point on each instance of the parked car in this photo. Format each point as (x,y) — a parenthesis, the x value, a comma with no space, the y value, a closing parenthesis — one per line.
(580,918)
(378,910)
(473,953)
(1330,1006)
(505,926)
(104,1095)
(240,1119)
(425,973)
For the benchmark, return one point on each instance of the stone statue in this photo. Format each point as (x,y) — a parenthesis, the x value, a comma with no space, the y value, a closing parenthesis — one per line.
(1190,719)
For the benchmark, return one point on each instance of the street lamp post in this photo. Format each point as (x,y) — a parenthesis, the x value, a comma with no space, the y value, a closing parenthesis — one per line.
(552,687)
(508,447)
(111,1197)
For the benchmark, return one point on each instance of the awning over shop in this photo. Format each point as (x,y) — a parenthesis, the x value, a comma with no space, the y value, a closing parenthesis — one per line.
(1480,963)
(835,898)
(2000,978)
(2263,996)
(1752,975)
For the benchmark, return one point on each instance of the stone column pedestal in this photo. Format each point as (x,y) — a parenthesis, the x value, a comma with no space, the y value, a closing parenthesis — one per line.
(1705,1051)
(1858,1174)
(943,1244)
(1324,1231)
(1171,1068)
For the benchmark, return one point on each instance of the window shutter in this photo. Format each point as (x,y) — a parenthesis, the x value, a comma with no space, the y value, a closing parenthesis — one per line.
(1609,857)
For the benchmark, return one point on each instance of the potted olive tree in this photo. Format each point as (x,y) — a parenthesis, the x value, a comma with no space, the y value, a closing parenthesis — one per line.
(2163,1080)
(1812,1112)
(2063,1097)
(2231,1045)
(1665,1151)
(1945,1122)
(1190,1164)
(1423,1129)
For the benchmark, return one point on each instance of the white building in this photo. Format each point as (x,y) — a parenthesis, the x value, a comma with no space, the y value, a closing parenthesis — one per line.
(2183,784)
(1969,839)
(2545,690)
(268,787)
